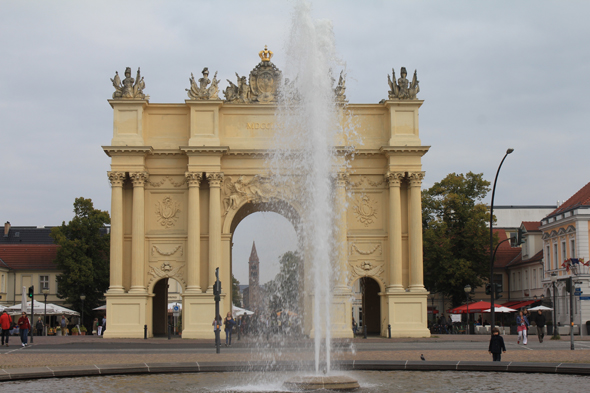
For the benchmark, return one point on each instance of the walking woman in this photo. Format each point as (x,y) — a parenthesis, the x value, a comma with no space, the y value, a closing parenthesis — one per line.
(228,324)
(522,324)
(24,326)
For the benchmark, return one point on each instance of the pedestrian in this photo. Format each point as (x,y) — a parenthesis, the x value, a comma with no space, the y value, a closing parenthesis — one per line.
(39,326)
(540,319)
(217,330)
(95,326)
(63,323)
(496,345)
(104,324)
(24,326)
(99,328)
(228,325)
(521,326)
(6,325)
(354,327)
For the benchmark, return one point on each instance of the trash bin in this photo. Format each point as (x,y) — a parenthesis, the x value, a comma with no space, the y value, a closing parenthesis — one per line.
(588,327)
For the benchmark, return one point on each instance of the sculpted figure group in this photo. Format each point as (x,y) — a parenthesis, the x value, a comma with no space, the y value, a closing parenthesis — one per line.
(402,88)
(129,87)
(202,90)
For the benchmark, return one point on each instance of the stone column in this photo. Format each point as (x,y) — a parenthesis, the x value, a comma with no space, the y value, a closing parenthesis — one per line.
(415,231)
(138,232)
(395,232)
(193,244)
(342,180)
(116,258)
(214,179)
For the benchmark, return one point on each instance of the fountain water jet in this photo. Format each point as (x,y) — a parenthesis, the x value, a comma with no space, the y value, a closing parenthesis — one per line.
(304,159)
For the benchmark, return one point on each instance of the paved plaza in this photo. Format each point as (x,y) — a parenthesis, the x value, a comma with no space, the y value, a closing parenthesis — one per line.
(92,350)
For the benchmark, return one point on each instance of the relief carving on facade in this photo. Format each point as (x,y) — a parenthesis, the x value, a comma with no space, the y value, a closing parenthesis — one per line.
(403,89)
(256,189)
(156,250)
(170,179)
(364,179)
(368,269)
(129,88)
(376,249)
(365,210)
(167,211)
(201,90)
(166,270)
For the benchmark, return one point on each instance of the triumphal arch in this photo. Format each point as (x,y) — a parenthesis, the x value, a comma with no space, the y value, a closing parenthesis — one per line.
(184,175)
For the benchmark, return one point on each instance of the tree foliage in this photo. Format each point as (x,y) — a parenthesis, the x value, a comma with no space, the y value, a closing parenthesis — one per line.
(83,256)
(456,248)
(236,297)
(283,291)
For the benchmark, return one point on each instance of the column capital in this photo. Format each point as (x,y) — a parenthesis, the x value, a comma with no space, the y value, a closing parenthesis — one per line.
(116,178)
(415,178)
(193,178)
(215,179)
(394,178)
(342,179)
(139,178)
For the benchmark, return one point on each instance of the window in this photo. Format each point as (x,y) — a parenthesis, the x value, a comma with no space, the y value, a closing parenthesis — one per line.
(534,279)
(526,279)
(518,282)
(555,262)
(44,282)
(573,248)
(563,251)
(548,258)
(514,288)
(2,284)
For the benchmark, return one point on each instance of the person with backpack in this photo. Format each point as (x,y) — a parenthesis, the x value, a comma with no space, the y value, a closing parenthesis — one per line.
(217,330)
(228,324)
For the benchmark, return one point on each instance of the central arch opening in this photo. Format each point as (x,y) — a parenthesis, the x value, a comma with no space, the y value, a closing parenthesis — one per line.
(262,234)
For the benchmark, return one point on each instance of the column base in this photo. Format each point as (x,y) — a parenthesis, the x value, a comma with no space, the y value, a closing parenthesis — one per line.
(408,314)
(138,290)
(395,288)
(126,315)
(198,313)
(417,288)
(117,289)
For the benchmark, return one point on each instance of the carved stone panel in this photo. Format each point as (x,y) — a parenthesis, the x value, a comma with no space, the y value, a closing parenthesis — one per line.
(166,212)
(173,270)
(368,268)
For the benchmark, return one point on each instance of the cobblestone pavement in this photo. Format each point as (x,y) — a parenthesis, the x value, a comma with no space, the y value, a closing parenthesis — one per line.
(88,350)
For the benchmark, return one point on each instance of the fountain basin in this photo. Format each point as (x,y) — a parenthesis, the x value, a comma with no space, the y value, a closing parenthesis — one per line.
(315,382)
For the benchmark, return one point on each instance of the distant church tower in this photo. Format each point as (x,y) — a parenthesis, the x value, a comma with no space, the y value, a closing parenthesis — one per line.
(253,279)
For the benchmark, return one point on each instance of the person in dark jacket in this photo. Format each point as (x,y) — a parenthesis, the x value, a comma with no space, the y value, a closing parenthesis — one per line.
(497,345)
(540,319)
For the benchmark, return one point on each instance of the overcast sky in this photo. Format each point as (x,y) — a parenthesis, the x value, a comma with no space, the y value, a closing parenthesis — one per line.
(493,74)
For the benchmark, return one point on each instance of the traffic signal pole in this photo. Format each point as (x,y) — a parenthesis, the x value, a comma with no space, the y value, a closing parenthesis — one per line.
(32,296)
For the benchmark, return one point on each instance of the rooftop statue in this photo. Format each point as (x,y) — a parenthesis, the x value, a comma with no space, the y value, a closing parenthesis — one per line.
(263,84)
(403,89)
(202,90)
(130,88)
(341,89)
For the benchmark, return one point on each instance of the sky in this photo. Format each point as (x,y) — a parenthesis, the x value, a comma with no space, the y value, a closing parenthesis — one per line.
(493,75)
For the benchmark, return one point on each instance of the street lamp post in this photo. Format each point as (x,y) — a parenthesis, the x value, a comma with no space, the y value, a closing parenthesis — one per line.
(45,293)
(467,291)
(82,297)
(553,281)
(493,289)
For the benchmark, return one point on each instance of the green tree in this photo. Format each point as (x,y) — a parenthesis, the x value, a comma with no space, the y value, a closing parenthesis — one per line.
(236,297)
(83,256)
(456,235)
(283,291)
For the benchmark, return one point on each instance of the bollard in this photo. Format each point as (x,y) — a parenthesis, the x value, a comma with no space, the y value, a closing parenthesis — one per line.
(364,331)
(239,332)
(169,331)
(389,331)
(145,332)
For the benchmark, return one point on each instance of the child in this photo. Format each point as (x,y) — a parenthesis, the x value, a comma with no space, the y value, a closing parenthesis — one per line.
(497,345)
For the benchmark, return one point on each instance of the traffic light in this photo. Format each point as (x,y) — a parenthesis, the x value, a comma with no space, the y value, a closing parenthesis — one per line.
(31,290)
(499,290)
(488,289)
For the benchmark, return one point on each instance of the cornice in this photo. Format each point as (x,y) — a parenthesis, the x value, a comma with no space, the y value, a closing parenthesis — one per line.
(205,150)
(127,150)
(250,152)
(167,152)
(128,101)
(405,150)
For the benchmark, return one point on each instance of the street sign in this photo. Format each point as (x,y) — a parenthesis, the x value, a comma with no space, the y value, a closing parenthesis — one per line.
(584,297)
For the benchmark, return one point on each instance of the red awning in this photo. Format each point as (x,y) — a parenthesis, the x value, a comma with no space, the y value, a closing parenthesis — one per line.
(473,308)
(519,303)
(432,311)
